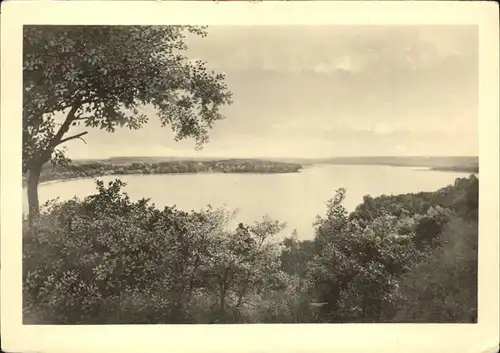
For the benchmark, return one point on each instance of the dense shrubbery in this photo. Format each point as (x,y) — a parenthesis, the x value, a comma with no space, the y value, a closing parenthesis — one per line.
(106,259)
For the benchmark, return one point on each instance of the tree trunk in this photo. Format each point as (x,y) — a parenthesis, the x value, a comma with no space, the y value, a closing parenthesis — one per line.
(222,301)
(33,203)
(242,293)
(223,291)
(191,281)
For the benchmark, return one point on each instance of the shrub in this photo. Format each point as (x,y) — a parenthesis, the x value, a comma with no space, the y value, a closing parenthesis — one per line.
(86,260)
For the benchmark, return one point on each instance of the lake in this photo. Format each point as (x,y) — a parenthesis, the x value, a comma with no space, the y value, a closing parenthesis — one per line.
(294,198)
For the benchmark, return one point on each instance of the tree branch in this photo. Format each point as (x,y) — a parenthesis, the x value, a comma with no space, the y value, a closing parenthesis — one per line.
(77,136)
(66,125)
(57,139)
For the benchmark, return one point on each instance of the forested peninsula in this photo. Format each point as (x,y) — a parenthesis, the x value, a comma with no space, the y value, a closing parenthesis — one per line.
(102,168)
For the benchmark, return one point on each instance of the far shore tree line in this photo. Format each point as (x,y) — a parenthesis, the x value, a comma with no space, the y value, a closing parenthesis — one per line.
(108,259)
(98,169)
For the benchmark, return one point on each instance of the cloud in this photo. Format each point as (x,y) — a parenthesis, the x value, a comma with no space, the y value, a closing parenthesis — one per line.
(325,49)
(338,90)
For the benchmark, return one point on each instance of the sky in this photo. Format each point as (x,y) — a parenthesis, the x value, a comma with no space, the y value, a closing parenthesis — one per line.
(321,91)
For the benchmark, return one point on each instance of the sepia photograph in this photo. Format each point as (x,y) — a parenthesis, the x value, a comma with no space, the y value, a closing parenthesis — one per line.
(331,177)
(208,174)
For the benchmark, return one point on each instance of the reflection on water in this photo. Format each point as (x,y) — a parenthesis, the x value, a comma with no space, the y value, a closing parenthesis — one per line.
(295,198)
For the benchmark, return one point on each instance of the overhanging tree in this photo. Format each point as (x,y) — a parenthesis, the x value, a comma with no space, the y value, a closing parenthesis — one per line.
(101,77)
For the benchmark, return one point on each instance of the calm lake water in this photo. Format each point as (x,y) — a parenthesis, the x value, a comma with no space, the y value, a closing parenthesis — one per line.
(294,198)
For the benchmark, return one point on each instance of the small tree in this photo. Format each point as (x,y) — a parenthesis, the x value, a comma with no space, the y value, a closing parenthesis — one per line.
(100,77)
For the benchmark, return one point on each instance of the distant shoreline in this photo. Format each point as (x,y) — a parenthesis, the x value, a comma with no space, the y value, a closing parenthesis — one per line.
(456,169)
(54,181)
(464,169)
(459,169)
(98,169)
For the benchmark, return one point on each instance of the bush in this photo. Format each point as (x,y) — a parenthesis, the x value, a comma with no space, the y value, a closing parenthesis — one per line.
(418,264)
(443,288)
(85,260)
(106,259)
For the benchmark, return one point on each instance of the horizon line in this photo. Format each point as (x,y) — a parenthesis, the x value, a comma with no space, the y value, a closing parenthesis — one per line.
(282,157)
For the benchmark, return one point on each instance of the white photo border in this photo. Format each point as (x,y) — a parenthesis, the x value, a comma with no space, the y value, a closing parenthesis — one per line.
(473,338)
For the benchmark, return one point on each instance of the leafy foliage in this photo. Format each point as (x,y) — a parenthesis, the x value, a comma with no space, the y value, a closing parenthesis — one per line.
(90,259)
(102,77)
(385,260)
(443,287)
(107,259)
